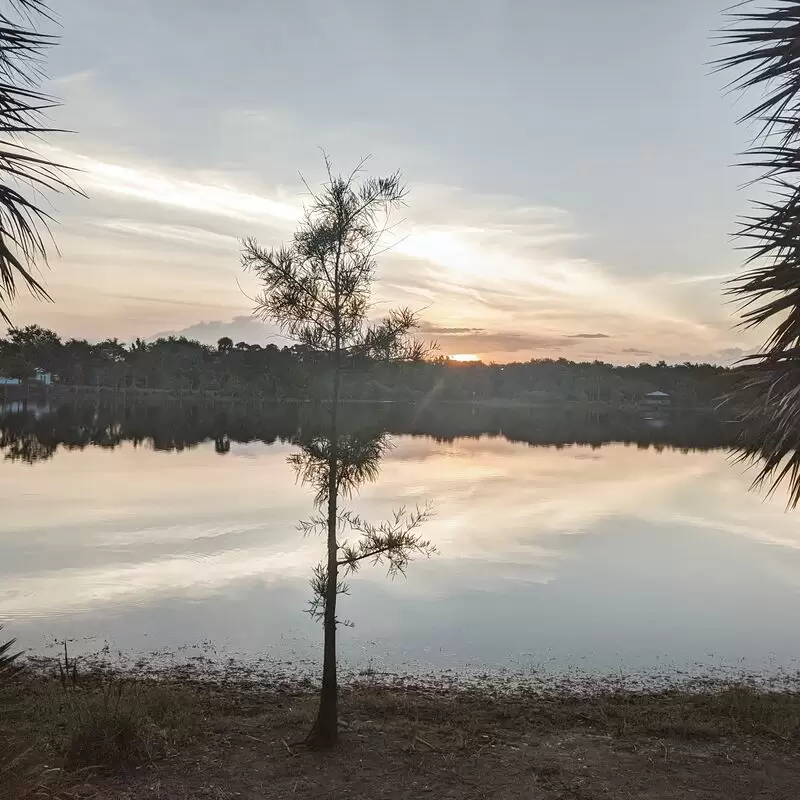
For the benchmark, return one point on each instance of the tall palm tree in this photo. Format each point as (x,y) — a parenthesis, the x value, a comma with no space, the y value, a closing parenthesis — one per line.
(24,175)
(766,58)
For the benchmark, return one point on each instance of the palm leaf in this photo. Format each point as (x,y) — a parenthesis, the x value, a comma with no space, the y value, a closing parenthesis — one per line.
(23,174)
(766,41)
(8,660)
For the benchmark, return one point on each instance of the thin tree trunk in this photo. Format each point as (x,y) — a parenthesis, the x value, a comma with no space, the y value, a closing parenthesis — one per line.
(325,731)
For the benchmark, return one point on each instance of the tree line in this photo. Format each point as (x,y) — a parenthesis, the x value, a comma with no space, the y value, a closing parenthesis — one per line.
(179,365)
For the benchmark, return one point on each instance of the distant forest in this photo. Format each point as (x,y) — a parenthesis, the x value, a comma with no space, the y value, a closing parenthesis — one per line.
(242,370)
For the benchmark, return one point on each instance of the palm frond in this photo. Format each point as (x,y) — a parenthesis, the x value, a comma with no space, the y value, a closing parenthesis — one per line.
(766,40)
(8,660)
(770,437)
(24,176)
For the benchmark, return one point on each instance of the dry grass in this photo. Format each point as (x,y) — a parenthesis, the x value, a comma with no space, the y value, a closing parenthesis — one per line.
(50,728)
(735,711)
(97,730)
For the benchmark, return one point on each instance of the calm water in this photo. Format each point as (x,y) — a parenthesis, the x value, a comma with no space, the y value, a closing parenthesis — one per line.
(606,558)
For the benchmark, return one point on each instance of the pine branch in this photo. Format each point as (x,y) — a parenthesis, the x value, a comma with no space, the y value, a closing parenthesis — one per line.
(394,541)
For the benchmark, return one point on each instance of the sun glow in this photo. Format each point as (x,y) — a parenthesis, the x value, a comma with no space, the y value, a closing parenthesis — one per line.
(464,357)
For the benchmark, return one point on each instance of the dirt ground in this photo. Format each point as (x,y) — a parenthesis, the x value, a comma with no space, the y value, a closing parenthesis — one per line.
(372,765)
(221,743)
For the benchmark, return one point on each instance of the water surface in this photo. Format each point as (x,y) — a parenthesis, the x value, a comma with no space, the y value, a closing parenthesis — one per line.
(611,557)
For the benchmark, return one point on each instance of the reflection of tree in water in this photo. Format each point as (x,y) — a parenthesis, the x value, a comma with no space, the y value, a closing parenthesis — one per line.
(25,445)
(355,460)
(31,437)
(222,444)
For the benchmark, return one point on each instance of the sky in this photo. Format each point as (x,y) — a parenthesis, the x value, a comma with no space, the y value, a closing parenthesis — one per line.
(569,165)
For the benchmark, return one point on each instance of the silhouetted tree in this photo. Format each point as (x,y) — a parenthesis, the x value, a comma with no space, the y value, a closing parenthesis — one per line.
(225,344)
(317,289)
(766,38)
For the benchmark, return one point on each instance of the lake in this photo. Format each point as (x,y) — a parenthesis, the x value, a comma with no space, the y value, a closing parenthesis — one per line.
(600,543)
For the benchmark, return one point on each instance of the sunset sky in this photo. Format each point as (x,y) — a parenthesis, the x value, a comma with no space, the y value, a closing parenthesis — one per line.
(569,167)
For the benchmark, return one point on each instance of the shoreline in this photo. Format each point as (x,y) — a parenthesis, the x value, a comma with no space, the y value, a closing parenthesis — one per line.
(63,392)
(190,733)
(208,665)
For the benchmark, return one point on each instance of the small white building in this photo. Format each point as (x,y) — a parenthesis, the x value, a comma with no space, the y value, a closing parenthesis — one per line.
(657,398)
(39,376)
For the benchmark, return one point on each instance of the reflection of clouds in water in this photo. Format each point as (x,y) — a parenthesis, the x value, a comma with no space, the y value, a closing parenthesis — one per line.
(502,498)
(732,509)
(134,526)
(72,590)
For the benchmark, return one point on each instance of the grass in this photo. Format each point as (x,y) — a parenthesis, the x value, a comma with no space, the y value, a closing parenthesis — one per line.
(51,728)
(58,729)
(735,711)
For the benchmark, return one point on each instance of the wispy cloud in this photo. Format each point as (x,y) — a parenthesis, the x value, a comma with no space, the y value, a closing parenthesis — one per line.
(691,279)
(214,195)
(175,233)
(501,277)
(482,341)
(588,336)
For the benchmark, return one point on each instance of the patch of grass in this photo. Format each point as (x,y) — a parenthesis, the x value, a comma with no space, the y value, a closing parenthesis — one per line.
(16,778)
(112,721)
(109,726)
(97,720)
(733,711)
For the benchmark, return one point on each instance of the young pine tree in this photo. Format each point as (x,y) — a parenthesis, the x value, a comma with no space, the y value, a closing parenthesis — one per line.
(317,289)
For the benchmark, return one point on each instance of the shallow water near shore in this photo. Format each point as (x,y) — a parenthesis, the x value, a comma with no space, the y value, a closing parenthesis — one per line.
(613,558)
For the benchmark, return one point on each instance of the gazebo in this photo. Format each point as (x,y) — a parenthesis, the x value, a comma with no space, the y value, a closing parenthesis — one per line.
(657,398)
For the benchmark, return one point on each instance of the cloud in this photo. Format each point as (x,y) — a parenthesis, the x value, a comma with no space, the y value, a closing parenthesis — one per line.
(730,354)
(692,279)
(241,329)
(461,339)
(450,339)
(500,275)
(636,351)
(588,336)
(498,344)
(189,234)
(428,328)
(211,193)
(726,356)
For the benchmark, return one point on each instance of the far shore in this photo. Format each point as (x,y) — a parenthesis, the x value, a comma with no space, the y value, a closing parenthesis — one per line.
(33,393)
